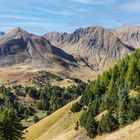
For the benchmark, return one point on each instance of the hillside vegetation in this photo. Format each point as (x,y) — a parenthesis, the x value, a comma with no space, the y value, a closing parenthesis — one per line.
(108,103)
(40,100)
(116,91)
(59,125)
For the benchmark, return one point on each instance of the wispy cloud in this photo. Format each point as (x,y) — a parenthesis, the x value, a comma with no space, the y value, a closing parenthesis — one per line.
(39,16)
(94,1)
(131,6)
(82,10)
(58,12)
(7,16)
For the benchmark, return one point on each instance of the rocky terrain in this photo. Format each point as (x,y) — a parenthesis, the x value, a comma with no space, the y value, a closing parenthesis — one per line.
(19,46)
(94,45)
(129,35)
(87,51)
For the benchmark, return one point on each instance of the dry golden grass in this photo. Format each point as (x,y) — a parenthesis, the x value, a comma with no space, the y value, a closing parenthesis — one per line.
(60,126)
(130,132)
(55,124)
(64,83)
(133,94)
(23,74)
(99,117)
(20,74)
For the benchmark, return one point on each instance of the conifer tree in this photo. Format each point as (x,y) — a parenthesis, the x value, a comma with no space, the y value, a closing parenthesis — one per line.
(122,105)
(10,126)
(91,126)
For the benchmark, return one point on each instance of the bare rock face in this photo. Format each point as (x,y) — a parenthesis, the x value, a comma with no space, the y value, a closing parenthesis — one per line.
(129,35)
(19,46)
(94,45)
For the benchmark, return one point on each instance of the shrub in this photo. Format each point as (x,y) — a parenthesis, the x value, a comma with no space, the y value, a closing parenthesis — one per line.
(76,107)
(35,119)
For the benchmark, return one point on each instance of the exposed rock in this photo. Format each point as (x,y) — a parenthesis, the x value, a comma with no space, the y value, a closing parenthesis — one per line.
(19,46)
(94,45)
(129,35)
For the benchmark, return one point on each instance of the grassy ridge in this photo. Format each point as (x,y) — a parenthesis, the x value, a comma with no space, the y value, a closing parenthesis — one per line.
(60,126)
(48,126)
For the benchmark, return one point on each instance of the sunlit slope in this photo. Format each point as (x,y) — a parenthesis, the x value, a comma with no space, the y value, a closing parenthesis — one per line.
(59,125)
(129,132)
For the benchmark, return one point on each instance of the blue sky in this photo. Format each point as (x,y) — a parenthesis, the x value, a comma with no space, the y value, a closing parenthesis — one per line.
(41,16)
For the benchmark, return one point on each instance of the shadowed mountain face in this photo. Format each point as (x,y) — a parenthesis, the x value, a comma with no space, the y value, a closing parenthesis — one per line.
(19,46)
(94,45)
(1,33)
(129,35)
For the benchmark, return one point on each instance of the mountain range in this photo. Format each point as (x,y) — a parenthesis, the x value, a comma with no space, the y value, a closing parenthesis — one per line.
(93,47)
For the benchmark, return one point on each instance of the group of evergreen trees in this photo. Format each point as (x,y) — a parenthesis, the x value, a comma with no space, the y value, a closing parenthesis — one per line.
(10,125)
(111,93)
(48,98)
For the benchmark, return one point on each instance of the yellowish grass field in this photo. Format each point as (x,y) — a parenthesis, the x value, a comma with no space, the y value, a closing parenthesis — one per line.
(58,124)
(18,74)
(130,132)
(23,74)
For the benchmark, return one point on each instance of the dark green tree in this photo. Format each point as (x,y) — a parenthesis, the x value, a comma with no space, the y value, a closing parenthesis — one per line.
(10,125)
(35,118)
(91,126)
(76,107)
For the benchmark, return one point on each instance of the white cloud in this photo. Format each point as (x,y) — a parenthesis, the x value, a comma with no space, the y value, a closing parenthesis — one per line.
(63,12)
(132,6)
(94,1)
(22,17)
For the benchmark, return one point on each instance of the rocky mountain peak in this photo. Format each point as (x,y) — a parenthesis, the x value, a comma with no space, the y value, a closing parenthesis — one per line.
(17,30)
(128,34)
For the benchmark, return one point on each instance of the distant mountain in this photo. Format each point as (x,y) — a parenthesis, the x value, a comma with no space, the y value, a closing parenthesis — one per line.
(129,35)
(94,45)
(19,46)
(1,33)
(92,48)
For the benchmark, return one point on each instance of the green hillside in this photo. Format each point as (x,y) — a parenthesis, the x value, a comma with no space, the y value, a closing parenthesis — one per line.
(112,92)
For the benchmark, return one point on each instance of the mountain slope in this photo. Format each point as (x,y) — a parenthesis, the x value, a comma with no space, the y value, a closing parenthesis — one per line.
(19,46)
(56,126)
(129,35)
(95,46)
(109,104)
(60,126)
(1,33)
